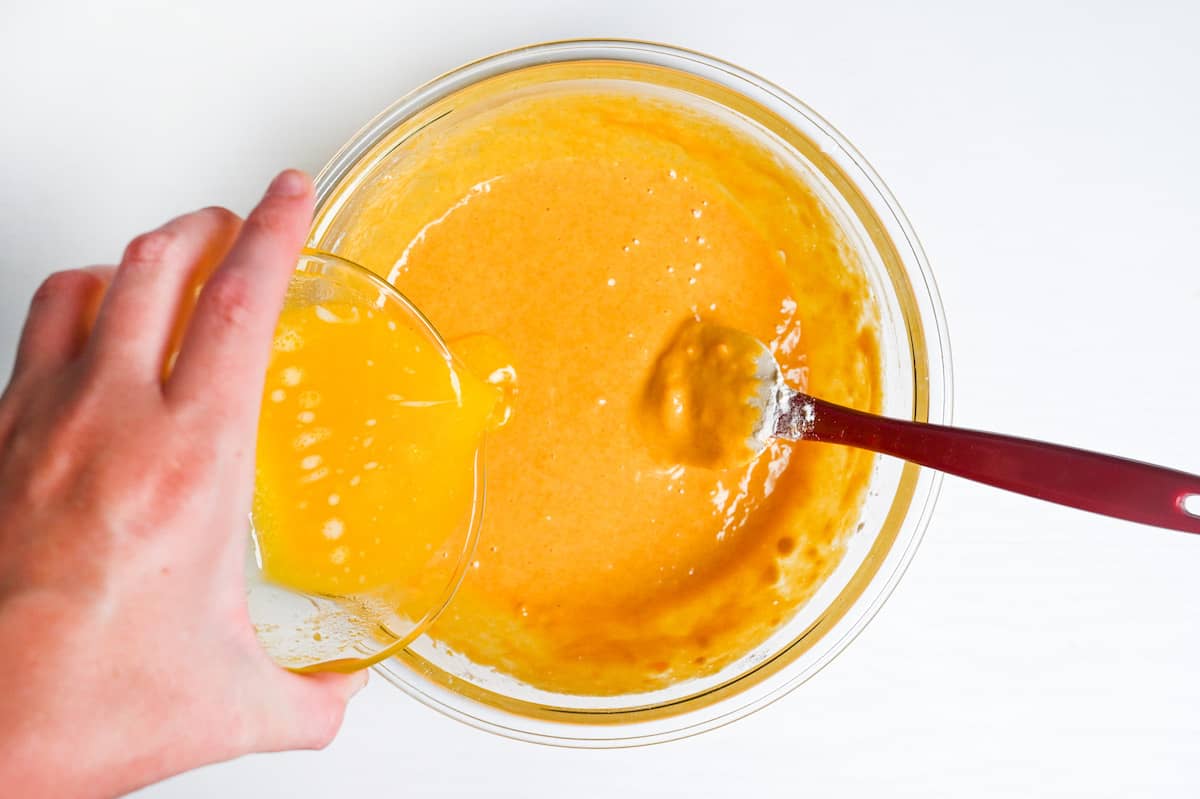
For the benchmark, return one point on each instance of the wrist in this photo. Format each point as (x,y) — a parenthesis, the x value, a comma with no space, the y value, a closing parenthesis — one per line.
(64,731)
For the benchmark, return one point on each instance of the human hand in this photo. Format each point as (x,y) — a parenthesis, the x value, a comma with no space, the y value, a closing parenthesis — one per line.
(128,651)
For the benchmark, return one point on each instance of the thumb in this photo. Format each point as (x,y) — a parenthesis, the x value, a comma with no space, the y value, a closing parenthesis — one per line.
(311,709)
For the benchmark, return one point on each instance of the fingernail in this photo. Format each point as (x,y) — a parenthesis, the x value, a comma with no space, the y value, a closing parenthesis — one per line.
(289,183)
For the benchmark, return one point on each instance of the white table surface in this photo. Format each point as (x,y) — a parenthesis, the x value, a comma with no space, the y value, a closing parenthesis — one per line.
(1047,156)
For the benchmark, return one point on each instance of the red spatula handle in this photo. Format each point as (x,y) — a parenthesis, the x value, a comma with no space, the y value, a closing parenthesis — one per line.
(1118,487)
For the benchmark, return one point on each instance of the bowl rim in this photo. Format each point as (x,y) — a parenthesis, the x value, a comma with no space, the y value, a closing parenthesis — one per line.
(932,390)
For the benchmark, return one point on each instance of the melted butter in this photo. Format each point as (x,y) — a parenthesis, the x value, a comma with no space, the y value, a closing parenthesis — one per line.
(366,446)
(579,228)
(701,405)
(487,358)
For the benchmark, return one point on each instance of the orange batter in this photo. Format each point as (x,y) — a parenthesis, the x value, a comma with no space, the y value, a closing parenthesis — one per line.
(706,397)
(581,228)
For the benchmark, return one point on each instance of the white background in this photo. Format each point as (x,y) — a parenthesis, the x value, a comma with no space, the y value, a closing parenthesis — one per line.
(1047,156)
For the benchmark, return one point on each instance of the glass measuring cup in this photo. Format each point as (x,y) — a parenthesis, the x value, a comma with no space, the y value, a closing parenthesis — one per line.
(310,631)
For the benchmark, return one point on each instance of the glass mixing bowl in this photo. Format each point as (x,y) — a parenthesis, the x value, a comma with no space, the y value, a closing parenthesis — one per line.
(312,631)
(915,361)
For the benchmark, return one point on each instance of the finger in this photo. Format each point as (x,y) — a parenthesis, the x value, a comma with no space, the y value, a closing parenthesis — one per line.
(312,710)
(60,316)
(154,285)
(223,358)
